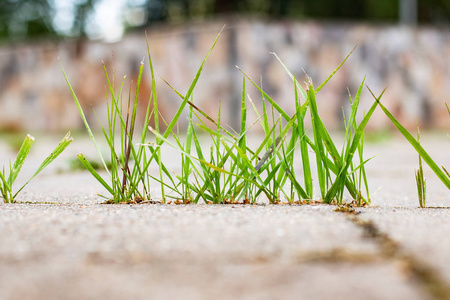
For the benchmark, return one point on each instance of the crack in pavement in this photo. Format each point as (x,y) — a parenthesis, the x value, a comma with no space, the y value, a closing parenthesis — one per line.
(428,277)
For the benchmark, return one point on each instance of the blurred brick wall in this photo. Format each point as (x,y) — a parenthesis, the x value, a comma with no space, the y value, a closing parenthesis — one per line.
(414,65)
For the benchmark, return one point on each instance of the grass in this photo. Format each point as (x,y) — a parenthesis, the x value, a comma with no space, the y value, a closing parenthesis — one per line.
(129,178)
(231,170)
(127,181)
(75,164)
(420,179)
(7,180)
(440,172)
(336,171)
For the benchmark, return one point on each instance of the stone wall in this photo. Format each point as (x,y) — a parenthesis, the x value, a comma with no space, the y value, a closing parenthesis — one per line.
(414,65)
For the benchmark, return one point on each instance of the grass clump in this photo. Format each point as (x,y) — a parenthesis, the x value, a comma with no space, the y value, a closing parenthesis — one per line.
(336,171)
(7,180)
(231,170)
(128,175)
(127,180)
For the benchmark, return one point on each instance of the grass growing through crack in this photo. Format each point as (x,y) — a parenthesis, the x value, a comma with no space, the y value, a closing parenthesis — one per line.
(7,181)
(230,170)
(336,171)
(234,171)
(127,180)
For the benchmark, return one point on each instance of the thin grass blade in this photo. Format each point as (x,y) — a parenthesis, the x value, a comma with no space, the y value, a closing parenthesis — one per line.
(334,72)
(420,150)
(303,149)
(341,178)
(94,173)
(86,124)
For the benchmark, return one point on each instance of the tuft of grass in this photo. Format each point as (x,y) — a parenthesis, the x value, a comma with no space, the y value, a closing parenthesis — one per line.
(128,177)
(7,181)
(335,171)
(230,170)
(127,180)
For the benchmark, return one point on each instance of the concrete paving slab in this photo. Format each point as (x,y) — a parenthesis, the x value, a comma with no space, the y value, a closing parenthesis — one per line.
(208,281)
(168,232)
(190,252)
(80,249)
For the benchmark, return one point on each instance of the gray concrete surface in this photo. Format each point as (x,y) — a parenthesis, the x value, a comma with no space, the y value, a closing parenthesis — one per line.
(80,249)
(422,232)
(190,252)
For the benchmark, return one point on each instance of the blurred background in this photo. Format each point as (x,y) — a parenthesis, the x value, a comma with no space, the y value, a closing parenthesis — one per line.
(403,45)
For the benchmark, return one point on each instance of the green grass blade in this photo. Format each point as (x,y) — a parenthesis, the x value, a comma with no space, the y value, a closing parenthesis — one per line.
(355,103)
(341,177)
(416,145)
(297,84)
(156,117)
(267,97)
(86,124)
(55,153)
(196,108)
(300,191)
(242,139)
(67,139)
(318,138)
(269,178)
(5,189)
(330,165)
(334,72)
(420,180)
(187,159)
(94,173)
(20,159)
(303,149)
(190,91)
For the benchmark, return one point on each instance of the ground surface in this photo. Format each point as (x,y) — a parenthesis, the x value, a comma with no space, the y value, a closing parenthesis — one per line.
(80,249)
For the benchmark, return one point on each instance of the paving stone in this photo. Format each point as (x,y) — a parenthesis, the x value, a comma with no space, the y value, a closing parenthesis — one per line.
(190,252)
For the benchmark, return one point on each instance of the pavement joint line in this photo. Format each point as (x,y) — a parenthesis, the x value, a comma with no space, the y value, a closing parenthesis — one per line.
(429,278)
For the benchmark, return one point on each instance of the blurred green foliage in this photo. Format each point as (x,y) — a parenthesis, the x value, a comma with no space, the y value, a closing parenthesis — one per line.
(24,19)
(430,11)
